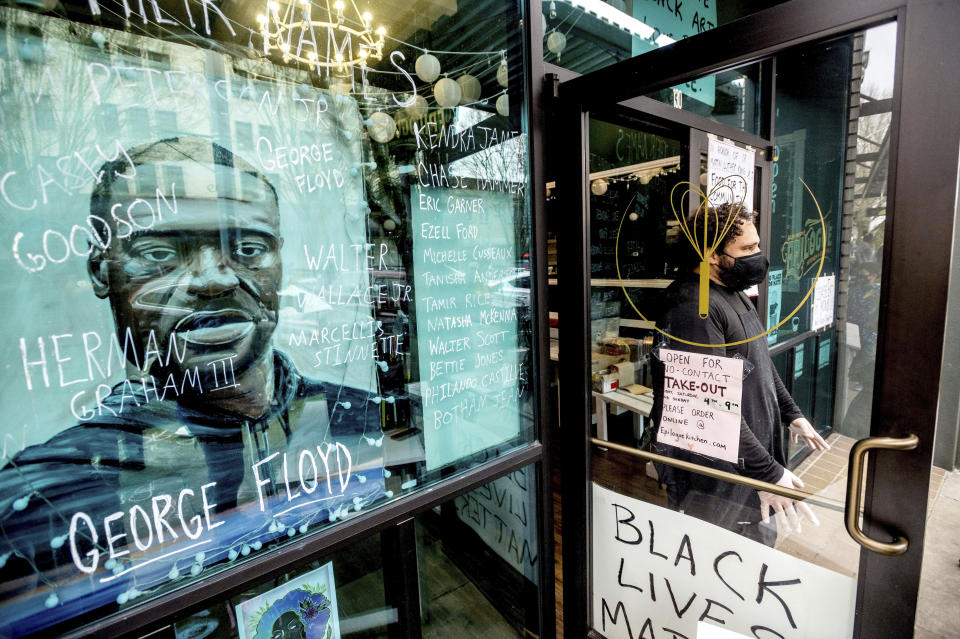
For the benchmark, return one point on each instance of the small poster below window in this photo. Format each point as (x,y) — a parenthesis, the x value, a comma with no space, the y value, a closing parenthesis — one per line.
(304,608)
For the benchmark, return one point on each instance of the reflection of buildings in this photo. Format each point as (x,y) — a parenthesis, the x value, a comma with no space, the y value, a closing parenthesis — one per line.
(863,222)
(75,95)
(151,88)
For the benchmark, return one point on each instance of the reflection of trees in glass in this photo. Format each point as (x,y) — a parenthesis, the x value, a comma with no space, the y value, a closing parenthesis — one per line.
(502,167)
(866,253)
(43,111)
(62,96)
(873,149)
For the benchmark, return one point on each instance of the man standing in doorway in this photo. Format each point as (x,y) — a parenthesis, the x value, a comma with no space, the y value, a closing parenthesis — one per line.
(735,265)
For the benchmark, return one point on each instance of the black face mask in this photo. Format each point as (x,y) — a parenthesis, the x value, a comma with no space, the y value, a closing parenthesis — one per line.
(745,272)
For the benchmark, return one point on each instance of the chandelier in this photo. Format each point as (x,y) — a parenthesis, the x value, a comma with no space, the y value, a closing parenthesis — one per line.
(293,31)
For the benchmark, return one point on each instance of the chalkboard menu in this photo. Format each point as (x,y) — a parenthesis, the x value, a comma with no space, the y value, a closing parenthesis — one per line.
(630,207)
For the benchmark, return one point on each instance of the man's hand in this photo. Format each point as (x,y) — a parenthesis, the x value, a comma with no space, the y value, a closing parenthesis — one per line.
(801,427)
(784,508)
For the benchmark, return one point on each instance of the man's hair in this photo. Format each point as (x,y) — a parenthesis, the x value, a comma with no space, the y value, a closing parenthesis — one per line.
(180,149)
(716,218)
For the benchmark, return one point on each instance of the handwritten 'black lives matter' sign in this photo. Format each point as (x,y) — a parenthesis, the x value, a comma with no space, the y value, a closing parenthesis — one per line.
(658,573)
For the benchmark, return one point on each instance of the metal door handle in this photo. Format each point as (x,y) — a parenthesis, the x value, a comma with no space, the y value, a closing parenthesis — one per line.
(854,484)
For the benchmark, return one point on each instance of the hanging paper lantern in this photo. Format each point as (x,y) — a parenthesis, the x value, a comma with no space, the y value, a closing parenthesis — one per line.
(503,74)
(503,105)
(418,109)
(556,42)
(98,39)
(381,127)
(427,67)
(598,186)
(447,92)
(469,88)
(389,224)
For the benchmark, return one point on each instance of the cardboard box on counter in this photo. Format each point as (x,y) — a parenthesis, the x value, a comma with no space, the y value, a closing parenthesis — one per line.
(605,382)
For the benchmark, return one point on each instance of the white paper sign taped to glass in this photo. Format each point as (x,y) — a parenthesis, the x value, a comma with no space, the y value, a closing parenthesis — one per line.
(658,573)
(701,403)
(470,292)
(821,312)
(726,165)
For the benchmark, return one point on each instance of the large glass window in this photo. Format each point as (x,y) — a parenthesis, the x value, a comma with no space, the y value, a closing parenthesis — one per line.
(864,225)
(271,264)
(701,409)
(810,145)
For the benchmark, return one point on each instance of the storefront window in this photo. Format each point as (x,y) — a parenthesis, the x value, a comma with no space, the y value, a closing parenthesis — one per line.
(809,146)
(271,270)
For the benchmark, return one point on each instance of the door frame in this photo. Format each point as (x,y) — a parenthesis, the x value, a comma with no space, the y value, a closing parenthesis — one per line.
(922,187)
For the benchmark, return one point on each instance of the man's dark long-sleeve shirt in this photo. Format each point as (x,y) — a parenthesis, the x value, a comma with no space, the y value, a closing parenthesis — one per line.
(765,403)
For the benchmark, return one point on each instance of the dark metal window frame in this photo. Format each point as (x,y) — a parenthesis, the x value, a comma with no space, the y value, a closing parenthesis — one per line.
(394,519)
(155,615)
(922,186)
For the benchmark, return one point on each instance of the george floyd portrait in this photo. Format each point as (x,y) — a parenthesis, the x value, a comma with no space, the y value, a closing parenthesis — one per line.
(213,411)
(173,419)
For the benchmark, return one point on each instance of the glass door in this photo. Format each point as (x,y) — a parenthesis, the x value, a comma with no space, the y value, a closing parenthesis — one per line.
(732,306)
